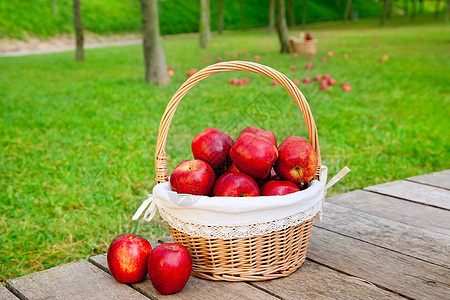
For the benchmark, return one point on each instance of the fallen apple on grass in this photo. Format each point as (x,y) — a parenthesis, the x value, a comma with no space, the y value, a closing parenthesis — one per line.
(309,66)
(169,268)
(296,81)
(127,258)
(193,177)
(306,80)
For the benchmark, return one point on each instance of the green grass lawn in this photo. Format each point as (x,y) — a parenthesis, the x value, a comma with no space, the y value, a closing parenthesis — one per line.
(78,139)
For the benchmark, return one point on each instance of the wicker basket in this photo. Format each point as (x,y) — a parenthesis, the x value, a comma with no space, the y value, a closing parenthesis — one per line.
(304,47)
(264,257)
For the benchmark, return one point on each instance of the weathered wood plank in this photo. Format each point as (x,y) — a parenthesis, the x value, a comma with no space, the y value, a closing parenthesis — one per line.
(75,280)
(5,294)
(417,242)
(314,281)
(397,272)
(412,191)
(438,179)
(426,217)
(195,288)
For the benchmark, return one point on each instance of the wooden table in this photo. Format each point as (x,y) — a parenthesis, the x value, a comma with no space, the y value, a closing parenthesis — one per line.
(386,241)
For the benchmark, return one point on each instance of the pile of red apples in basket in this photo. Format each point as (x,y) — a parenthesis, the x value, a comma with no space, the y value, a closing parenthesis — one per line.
(253,165)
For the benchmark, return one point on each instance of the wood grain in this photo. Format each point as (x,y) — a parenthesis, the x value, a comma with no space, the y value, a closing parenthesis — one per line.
(438,179)
(407,239)
(314,281)
(426,217)
(76,280)
(397,272)
(412,191)
(5,294)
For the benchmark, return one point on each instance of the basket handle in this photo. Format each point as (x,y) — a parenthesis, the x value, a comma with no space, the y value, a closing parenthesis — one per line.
(160,155)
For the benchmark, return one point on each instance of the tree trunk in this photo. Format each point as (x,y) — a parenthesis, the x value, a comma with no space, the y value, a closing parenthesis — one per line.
(348,10)
(243,20)
(421,6)
(291,12)
(55,8)
(389,10)
(384,12)
(413,11)
(436,9)
(220,29)
(447,13)
(79,55)
(305,8)
(282,27)
(155,61)
(271,16)
(205,26)
(405,7)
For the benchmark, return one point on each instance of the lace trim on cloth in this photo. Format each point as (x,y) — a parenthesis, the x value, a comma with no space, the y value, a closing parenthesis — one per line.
(242,231)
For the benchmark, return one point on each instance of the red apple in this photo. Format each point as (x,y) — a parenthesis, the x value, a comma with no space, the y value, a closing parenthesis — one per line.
(226,53)
(326,76)
(296,81)
(171,68)
(293,69)
(331,81)
(267,134)
(127,258)
(323,59)
(275,83)
(191,72)
(309,66)
(170,72)
(193,177)
(347,88)
(169,268)
(235,55)
(310,56)
(306,80)
(246,80)
(317,77)
(234,81)
(219,59)
(241,82)
(245,53)
(278,188)
(256,58)
(295,55)
(297,161)
(205,60)
(213,146)
(308,37)
(253,155)
(323,85)
(236,184)
(345,56)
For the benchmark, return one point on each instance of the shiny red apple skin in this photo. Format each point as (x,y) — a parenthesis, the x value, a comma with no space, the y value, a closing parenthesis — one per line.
(213,146)
(278,188)
(267,134)
(253,155)
(236,184)
(193,177)
(297,161)
(127,258)
(169,268)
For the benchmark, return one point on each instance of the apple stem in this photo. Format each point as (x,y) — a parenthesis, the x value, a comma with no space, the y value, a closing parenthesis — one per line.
(299,175)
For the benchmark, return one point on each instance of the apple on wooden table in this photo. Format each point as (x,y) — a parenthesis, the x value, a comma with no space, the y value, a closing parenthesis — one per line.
(127,258)
(169,268)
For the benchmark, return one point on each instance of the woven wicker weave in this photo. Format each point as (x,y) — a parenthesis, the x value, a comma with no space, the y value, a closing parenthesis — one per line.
(242,259)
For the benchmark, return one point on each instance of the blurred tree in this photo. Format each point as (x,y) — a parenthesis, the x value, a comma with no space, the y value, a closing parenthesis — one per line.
(405,6)
(155,61)
(79,54)
(447,12)
(384,12)
(220,27)
(437,8)
(282,26)
(243,20)
(205,26)
(348,11)
(413,10)
(54,8)
(291,12)
(271,16)
(305,8)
